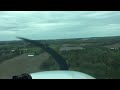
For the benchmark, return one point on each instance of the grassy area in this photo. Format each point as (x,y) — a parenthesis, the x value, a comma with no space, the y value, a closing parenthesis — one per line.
(100,63)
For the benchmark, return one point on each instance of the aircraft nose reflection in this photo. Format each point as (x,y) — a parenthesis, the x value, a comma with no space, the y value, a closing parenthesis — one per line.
(60,75)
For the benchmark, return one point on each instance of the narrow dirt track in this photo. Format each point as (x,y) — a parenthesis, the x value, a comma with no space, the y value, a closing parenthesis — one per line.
(21,64)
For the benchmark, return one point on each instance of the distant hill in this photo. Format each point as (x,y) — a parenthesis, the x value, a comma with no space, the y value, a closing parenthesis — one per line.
(71,40)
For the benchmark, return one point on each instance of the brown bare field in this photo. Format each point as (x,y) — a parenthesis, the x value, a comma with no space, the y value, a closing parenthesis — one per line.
(21,64)
(116,45)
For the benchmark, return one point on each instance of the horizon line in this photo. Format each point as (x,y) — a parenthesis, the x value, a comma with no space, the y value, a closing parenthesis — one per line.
(59,38)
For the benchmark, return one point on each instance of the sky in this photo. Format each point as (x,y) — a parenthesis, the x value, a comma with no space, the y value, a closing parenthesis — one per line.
(42,25)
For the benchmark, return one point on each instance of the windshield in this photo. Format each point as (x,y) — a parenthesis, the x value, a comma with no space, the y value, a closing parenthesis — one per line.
(88,41)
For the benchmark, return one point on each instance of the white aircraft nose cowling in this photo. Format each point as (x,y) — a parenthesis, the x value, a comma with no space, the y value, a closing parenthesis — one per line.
(60,75)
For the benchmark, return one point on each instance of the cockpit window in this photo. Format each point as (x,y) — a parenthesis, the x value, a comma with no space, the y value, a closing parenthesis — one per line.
(83,41)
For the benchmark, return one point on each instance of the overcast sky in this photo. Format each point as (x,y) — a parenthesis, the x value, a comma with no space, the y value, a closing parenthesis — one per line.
(58,24)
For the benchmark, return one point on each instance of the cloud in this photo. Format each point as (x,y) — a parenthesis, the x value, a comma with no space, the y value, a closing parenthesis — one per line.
(58,24)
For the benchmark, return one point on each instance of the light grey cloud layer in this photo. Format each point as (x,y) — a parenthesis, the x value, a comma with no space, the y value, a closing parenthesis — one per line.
(58,24)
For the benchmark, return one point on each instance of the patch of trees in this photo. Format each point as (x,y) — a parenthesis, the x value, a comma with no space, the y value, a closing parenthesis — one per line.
(95,61)
(99,62)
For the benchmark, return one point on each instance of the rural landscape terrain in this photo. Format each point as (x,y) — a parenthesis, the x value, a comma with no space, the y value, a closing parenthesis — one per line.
(96,56)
